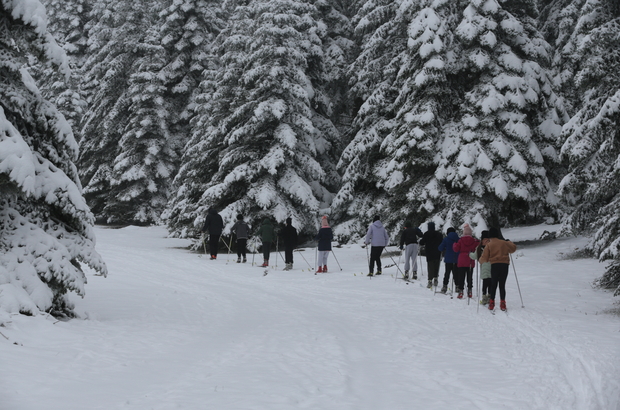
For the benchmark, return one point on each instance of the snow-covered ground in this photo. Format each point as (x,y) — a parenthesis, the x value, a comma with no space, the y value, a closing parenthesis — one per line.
(170,329)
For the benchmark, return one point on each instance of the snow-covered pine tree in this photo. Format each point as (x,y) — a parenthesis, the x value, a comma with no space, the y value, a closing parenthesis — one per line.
(257,147)
(592,146)
(495,161)
(114,183)
(425,106)
(46,228)
(67,19)
(372,76)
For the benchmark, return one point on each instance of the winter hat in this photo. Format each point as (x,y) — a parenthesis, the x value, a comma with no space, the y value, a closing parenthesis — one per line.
(494,233)
(431,226)
(376,218)
(407,224)
(324,221)
(289,221)
(467,230)
(485,235)
(450,230)
(240,217)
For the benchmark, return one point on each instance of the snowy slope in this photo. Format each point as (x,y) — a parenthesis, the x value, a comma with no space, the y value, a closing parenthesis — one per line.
(169,329)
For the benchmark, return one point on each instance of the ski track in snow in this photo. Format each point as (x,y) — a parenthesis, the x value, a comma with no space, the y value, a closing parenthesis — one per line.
(169,329)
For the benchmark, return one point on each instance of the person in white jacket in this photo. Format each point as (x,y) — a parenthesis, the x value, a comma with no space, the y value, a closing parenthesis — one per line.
(378,239)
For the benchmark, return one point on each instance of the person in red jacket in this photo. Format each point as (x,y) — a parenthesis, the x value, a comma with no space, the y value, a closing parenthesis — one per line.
(465,265)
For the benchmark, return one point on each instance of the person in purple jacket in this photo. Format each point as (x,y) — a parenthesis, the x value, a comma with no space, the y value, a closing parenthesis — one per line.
(450,256)
(378,239)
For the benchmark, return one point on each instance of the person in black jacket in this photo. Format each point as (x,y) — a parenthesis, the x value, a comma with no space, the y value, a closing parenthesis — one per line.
(242,230)
(409,242)
(214,225)
(432,239)
(289,239)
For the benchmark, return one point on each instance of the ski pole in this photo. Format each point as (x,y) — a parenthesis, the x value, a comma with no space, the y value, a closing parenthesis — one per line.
(368,259)
(277,251)
(478,284)
(336,259)
(253,251)
(397,267)
(204,243)
(399,256)
(316,258)
(452,287)
(517,279)
(304,258)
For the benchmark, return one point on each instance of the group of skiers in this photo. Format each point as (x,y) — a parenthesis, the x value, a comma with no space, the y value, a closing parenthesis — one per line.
(460,254)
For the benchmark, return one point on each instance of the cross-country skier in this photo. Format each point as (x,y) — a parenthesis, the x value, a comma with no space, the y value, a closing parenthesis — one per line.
(214,225)
(450,257)
(485,267)
(242,231)
(267,235)
(431,240)
(289,239)
(465,264)
(409,241)
(324,245)
(498,252)
(378,239)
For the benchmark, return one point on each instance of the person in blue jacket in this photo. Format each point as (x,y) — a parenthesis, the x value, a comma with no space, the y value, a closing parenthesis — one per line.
(450,257)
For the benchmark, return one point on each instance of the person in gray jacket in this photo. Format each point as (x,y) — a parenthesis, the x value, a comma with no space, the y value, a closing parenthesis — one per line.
(242,231)
(378,239)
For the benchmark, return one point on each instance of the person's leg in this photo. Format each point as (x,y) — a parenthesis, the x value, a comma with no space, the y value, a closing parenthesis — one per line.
(288,254)
(495,274)
(266,251)
(378,261)
(501,280)
(470,278)
(213,243)
(242,244)
(414,256)
(408,252)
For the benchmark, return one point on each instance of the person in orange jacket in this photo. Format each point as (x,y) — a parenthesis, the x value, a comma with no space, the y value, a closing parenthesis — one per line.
(497,252)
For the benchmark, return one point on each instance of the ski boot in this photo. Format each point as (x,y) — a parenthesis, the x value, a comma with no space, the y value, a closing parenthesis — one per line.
(324,268)
(491,304)
(502,305)
(370,274)
(238,260)
(319,270)
(414,275)
(430,284)
(406,275)
(444,289)
(378,272)
(265,264)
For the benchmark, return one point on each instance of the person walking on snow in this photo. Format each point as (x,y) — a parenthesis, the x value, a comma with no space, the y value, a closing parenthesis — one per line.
(465,264)
(242,231)
(324,246)
(289,238)
(431,240)
(409,240)
(450,257)
(267,235)
(378,239)
(485,268)
(214,224)
(497,252)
